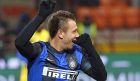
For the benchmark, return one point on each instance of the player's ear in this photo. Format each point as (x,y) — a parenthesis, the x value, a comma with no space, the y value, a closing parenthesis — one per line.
(60,33)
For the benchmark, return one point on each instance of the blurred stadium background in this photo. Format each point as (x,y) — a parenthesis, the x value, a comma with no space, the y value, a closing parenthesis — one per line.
(114,26)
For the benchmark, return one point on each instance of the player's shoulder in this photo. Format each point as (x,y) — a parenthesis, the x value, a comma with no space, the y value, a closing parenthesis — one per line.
(77,47)
(41,43)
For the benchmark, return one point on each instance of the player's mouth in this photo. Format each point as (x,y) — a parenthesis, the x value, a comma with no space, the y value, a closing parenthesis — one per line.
(74,40)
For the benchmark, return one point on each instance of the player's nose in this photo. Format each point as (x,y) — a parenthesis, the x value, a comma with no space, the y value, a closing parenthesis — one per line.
(77,35)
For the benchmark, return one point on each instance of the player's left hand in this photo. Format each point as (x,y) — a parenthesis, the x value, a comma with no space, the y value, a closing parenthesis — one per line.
(84,41)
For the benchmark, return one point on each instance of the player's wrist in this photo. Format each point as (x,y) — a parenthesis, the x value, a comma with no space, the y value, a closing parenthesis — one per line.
(38,19)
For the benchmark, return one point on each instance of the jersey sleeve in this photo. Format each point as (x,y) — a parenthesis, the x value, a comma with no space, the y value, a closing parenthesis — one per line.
(22,42)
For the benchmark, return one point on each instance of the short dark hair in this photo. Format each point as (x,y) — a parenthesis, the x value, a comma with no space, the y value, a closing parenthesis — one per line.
(57,20)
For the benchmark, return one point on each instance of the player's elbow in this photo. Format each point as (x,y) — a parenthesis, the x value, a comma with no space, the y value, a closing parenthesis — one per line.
(103,76)
(18,43)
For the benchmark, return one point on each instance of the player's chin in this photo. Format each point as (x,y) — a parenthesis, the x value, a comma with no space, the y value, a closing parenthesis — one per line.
(71,46)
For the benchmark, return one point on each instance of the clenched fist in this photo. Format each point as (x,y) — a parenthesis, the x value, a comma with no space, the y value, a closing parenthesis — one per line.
(46,7)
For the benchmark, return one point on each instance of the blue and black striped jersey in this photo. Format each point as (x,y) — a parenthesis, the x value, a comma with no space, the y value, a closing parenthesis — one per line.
(55,66)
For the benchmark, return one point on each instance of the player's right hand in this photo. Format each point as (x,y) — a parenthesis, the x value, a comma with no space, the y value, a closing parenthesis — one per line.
(46,7)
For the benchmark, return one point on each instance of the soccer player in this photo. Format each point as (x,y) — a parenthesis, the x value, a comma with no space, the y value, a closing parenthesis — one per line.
(65,54)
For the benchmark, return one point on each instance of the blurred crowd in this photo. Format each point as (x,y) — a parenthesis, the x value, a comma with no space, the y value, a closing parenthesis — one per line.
(8,33)
(86,23)
(7,38)
(99,18)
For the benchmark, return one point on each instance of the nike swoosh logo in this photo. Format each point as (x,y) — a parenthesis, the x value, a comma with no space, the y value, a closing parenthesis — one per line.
(50,60)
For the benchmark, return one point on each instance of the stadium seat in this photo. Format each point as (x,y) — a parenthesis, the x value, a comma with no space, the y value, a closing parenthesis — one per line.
(81,12)
(116,18)
(100,17)
(105,3)
(132,18)
(18,9)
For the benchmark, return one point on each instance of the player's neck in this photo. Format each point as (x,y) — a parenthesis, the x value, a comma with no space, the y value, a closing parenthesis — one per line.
(56,44)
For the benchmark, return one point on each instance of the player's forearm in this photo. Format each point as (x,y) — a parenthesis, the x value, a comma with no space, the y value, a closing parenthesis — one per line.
(25,35)
(45,9)
(93,66)
(98,67)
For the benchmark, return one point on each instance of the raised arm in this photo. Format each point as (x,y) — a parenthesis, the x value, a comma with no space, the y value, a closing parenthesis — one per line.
(92,63)
(22,42)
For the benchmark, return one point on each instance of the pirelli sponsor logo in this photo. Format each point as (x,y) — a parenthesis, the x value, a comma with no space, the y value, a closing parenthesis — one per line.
(59,73)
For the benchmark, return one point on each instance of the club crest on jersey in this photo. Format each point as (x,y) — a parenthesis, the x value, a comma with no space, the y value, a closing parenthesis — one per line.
(72,62)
